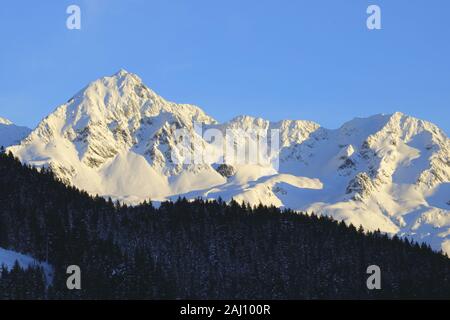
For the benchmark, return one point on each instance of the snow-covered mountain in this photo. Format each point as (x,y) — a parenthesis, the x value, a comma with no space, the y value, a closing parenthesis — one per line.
(118,138)
(11,134)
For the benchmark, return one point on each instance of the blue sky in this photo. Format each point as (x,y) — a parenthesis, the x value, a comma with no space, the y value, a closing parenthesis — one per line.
(313,60)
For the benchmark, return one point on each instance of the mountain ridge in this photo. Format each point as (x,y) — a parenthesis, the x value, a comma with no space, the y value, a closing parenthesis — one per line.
(118,138)
(10,133)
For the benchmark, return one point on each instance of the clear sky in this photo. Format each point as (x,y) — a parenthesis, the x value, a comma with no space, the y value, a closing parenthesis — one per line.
(277,59)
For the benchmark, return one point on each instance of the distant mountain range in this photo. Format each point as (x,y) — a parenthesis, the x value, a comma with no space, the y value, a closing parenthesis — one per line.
(11,134)
(117,138)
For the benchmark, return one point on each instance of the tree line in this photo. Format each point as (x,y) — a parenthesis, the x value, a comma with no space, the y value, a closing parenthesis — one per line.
(196,249)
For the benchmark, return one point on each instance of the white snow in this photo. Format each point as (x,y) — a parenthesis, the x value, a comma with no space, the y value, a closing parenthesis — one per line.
(8,259)
(11,134)
(5,121)
(116,138)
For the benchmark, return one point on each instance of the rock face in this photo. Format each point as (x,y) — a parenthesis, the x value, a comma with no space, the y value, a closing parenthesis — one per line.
(361,186)
(226,170)
(118,138)
(5,121)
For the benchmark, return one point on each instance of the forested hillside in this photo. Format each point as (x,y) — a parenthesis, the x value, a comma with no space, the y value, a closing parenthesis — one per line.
(198,250)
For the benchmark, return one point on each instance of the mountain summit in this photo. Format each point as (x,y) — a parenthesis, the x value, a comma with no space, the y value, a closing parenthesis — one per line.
(118,138)
(11,134)
(5,121)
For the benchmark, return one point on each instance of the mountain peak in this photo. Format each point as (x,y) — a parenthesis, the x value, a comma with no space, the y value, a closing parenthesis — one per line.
(11,134)
(392,122)
(5,121)
(124,74)
(117,138)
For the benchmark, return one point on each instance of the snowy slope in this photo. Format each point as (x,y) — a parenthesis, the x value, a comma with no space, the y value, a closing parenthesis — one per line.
(387,172)
(5,121)
(118,138)
(11,134)
(8,259)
